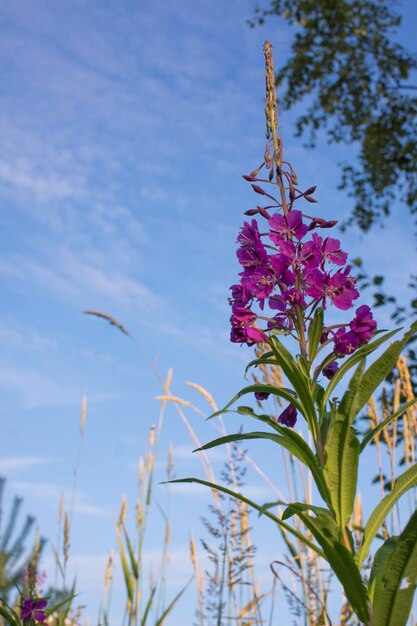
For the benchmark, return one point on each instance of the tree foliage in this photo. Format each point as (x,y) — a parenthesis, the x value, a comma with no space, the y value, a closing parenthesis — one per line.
(345,62)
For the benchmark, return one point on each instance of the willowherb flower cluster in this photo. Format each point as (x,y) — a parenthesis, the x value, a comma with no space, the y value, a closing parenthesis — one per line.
(288,268)
(292,276)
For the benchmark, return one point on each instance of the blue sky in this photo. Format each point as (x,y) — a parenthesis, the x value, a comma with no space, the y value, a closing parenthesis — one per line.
(125,128)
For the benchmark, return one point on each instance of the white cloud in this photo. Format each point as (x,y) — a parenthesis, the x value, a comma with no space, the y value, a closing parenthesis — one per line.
(34,388)
(49,491)
(17,463)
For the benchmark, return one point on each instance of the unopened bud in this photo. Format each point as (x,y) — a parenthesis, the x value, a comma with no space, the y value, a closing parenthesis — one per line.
(256,172)
(310,190)
(249,177)
(294,178)
(329,224)
(263,212)
(310,198)
(258,189)
(292,193)
(251,212)
(271,174)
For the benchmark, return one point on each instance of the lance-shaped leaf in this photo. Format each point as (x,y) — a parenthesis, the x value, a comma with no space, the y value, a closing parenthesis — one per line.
(161,620)
(394,577)
(148,606)
(352,361)
(407,480)
(298,381)
(325,530)
(266,359)
(386,422)
(348,402)
(341,469)
(380,369)
(286,394)
(315,331)
(258,507)
(288,439)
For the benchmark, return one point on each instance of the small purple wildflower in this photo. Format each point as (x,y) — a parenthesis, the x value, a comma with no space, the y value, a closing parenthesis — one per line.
(285,227)
(34,610)
(330,370)
(363,324)
(345,342)
(289,416)
(261,395)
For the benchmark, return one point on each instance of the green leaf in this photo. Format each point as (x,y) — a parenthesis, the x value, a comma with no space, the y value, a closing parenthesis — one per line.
(378,567)
(374,431)
(125,566)
(380,369)
(276,391)
(341,469)
(315,331)
(8,617)
(265,359)
(287,438)
(406,481)
(131,552)
(348,402)
(254,505)
(298,381)
(394,577)
(353,360)
(324,529)
(148,606)
(171,605)
(58,605)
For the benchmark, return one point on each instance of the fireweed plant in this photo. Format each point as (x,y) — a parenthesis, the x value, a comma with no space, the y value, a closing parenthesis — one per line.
(291,271)
(32,608)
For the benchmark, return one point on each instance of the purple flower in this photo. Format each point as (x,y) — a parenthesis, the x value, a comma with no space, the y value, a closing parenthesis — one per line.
(288,249)
(363,324)
(261,395)
(345,343)
(294,297)
(282,320)
(252,257)
(34,610)
(285,227)
(289,416)
(260,282)
(331,251)
(247,334)
(339,288)
(249,235)
(330,370)
(242,317)
(255,335)
(238,334)
(279,263)
(240,295)
(311,255)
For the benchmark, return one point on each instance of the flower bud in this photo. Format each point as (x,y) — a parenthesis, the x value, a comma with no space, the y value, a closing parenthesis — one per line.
(258,189)
(263,212)
(310,190)
(310,198)
(256,172)
(329,224)
(249,177)
(251,212)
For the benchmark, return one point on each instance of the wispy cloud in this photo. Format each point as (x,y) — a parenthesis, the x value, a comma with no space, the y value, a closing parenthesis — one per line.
(22,463)
(48,491)
(35,388)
